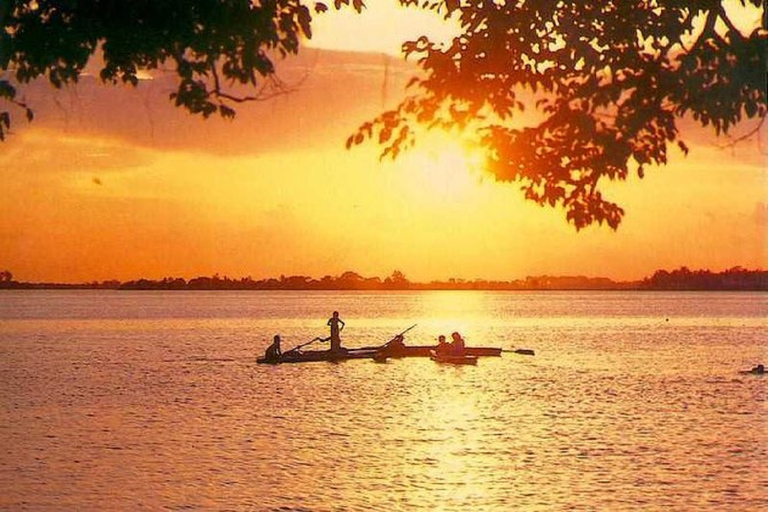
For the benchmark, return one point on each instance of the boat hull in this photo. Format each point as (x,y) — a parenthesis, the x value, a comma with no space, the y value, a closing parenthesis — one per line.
(427,350)
(454,359)
(372,353)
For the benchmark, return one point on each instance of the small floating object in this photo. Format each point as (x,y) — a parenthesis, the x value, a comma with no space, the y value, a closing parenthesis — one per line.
(757,370)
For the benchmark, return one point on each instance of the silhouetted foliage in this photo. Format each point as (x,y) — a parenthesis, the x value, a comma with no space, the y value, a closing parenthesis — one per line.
(735,279)
(612,78)
(683,278)
(210,45)
(397,281)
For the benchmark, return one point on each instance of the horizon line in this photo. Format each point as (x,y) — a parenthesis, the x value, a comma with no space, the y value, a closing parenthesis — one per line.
(736,278)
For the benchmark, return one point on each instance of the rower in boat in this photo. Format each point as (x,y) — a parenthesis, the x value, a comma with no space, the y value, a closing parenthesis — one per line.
(392,348)
(457,345)
(273,352)
(443,347)
(452,353)
(397,344)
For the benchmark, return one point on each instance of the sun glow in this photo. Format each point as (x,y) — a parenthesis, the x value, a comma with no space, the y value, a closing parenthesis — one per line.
(372,29)
(445,171)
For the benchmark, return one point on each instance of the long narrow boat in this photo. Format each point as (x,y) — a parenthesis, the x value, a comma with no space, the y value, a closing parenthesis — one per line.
(426,351)
(308,356)
(453,358)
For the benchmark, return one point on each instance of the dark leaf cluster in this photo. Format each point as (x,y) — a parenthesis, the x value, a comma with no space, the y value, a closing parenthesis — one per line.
(212,46)
(613,78)
(736,278)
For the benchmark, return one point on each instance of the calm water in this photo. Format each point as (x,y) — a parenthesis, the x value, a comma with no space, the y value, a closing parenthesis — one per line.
(131,401)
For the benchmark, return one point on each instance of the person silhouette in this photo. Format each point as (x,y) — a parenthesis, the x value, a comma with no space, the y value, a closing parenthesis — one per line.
(337,325)
(442,346)
(397,343)
(273,351)
(457,344)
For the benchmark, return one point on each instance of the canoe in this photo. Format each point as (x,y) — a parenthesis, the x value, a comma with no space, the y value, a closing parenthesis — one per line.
(379,353)
(454,358)
(426,351)
(310,356)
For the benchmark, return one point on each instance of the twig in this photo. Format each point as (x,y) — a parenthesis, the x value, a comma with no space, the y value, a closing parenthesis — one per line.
(747,135)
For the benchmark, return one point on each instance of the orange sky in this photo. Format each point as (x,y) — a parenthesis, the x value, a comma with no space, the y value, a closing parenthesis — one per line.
(113,182)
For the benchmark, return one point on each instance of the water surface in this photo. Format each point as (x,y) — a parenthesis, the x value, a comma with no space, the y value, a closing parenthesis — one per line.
(152,400)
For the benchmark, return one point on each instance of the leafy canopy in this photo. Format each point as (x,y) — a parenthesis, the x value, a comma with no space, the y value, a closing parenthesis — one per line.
(612,78)
(211,45)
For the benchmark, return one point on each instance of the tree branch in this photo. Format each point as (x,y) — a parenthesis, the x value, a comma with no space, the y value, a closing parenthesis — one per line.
(709,29)
(741,138)
(728,23)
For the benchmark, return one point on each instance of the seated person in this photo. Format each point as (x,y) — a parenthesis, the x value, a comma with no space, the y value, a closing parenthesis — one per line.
(442,346)
(457,345)
(274,352)
(397,343)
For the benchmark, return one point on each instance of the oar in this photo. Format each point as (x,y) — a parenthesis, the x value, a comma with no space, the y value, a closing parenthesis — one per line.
(522,351)
(380,356)
(304,344)
(405,331)
(396,335)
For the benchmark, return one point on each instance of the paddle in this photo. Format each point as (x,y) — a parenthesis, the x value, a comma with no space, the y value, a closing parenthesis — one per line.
(381,355)
(294,349)
(396,335)
(522,351)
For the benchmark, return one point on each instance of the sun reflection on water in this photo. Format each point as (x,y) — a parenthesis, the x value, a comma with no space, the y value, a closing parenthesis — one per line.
(174,413)
(452,446)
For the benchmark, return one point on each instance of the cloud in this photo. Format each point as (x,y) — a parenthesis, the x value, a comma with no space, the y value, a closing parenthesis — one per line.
(44,151)
(760,215)
(331,94)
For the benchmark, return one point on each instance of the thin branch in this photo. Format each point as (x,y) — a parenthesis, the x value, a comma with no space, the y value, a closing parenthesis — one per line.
(708,30)
(215,73)
(741,138)
(729,23)
(272,88)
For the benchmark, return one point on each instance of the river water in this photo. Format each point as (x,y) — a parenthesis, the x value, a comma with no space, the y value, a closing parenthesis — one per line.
(153,401)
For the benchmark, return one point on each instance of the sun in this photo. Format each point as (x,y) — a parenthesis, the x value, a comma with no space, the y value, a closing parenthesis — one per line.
(444,169)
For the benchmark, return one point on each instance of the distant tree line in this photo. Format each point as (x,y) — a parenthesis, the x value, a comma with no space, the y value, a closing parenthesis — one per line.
(735,279)
(683,278)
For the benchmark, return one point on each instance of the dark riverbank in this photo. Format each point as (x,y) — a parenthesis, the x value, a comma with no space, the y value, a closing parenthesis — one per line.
(735,279)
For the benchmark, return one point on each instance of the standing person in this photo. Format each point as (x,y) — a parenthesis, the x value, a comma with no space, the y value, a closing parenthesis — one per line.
(337,325)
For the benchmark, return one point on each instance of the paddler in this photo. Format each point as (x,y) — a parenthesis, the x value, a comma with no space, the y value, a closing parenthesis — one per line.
(273,351)
(397,343)
(337,325)
(442,346)
(457,345)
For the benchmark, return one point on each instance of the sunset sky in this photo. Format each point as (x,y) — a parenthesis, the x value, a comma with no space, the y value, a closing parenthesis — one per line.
(114,182)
